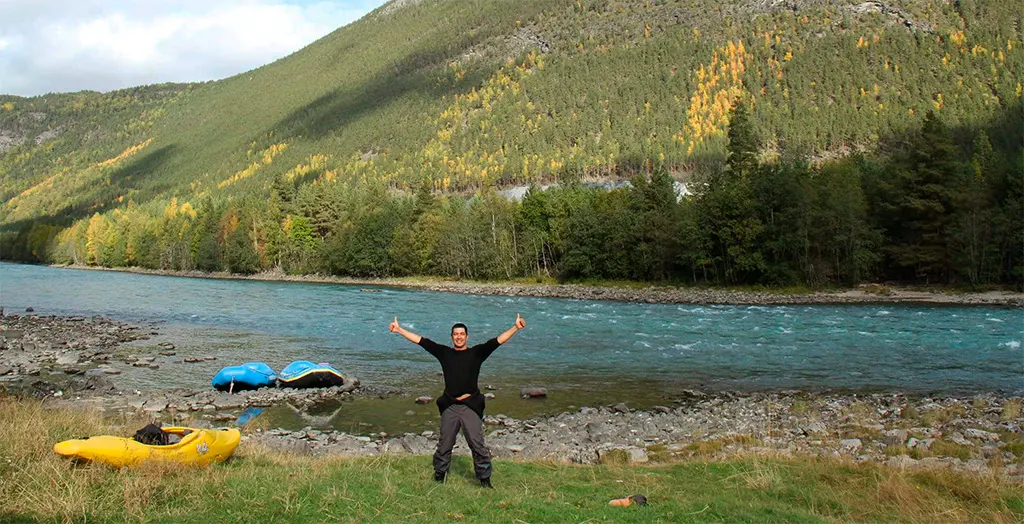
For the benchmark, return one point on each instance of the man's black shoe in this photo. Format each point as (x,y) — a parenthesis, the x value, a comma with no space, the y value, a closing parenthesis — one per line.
(439,476)
(486,483)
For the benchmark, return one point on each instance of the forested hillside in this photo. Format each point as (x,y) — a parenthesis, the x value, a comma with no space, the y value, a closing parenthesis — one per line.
(877,140)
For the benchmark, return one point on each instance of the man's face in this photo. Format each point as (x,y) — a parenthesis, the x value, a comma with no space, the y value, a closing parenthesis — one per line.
(459,337)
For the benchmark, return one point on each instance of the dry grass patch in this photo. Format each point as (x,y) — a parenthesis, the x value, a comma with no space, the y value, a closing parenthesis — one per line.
(762,476)
(942,415)
(861,432)
(862,411)
(1011,410)
(945,448)
(707,448)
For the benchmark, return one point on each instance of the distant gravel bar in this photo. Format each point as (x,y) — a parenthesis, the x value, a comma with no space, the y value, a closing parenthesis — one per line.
(864,294)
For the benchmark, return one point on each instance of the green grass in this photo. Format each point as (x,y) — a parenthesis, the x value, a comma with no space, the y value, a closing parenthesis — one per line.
(38,486)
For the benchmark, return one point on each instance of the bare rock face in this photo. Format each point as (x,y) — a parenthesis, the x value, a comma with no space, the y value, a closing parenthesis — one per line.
(9,139)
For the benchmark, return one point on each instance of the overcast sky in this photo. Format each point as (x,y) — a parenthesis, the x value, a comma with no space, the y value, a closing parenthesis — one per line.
(71,45)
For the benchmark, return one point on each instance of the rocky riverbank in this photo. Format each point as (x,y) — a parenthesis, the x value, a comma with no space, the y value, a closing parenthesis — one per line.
(66,360)
(72,357)
(652,294)
(980,434)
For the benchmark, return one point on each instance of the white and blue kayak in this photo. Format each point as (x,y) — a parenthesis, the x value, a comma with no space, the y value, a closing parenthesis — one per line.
(305,374)
(251,375)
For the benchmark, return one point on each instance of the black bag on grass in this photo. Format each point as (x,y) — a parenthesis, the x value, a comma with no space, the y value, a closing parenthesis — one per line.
(152,435)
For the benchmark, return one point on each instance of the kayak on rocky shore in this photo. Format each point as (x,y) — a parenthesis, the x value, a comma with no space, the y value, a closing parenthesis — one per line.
(305,374)
(251,375)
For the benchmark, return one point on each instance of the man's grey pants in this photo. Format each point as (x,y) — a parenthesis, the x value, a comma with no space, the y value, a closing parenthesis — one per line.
(456,416)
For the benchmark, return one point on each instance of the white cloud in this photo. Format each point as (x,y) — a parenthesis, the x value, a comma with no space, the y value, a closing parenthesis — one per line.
(73,45)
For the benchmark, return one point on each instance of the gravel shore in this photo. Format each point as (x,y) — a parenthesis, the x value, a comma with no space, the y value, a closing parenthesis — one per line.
(652,294)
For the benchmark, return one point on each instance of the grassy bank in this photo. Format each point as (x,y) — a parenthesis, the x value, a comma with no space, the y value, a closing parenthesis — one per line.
(37,485)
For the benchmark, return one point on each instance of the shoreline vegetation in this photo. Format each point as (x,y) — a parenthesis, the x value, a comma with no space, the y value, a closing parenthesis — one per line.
(628,291)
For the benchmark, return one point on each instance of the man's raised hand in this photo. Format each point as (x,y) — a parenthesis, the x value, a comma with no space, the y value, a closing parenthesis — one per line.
(520,323)
(393,327)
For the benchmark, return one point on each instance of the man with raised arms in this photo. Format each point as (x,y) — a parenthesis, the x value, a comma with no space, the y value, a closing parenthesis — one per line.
(461,405)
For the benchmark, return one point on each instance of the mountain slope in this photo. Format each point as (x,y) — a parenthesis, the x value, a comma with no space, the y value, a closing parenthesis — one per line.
(462,95)
(426,88)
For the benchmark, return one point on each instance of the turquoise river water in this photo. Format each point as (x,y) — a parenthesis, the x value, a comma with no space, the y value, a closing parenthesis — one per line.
(586,346)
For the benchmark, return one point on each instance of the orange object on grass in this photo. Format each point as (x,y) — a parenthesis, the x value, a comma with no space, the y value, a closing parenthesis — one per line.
(639,499)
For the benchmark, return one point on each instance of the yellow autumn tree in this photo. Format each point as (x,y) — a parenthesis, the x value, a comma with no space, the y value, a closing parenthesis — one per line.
(96,239)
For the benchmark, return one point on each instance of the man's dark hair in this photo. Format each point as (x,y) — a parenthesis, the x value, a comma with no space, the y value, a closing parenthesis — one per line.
(460,325)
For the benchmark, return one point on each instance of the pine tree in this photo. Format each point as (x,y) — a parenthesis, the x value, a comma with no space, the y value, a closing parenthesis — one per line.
(924,204)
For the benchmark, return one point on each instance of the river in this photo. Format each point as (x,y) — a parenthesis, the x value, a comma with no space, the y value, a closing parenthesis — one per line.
(601,350)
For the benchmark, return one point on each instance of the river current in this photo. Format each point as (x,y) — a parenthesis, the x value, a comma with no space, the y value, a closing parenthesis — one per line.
(587,346)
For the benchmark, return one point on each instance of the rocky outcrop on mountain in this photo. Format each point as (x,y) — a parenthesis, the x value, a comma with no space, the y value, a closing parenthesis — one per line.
(9,139)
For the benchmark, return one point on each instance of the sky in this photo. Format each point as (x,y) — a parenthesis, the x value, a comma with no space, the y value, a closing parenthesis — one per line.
(73,45)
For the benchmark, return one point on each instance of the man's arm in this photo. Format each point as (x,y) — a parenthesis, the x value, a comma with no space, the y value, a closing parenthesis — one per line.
(520,324)
(409,335)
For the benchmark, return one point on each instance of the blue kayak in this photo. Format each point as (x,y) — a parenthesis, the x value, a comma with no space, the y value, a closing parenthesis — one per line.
(251,375)
(305,374)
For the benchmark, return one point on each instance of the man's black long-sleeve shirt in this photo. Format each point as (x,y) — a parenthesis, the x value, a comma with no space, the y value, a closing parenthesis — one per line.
(461,368)
(461,372)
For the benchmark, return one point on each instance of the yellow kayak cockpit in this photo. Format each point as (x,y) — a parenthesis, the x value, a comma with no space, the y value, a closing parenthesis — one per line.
(197,446)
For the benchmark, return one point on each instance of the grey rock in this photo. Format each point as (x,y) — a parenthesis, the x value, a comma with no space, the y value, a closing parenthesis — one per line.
(814,429)
(424,400)
(986,436)
(415,444)
(957,438)
(976,466)
(155,406)
(901,462)
(621,407)
(67,359)
(851,444)
(533,392)
(288,445)
(637,455)
(894,437)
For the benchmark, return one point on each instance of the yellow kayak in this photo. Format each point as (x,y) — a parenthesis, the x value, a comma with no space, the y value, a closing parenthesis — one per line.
(198,446)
